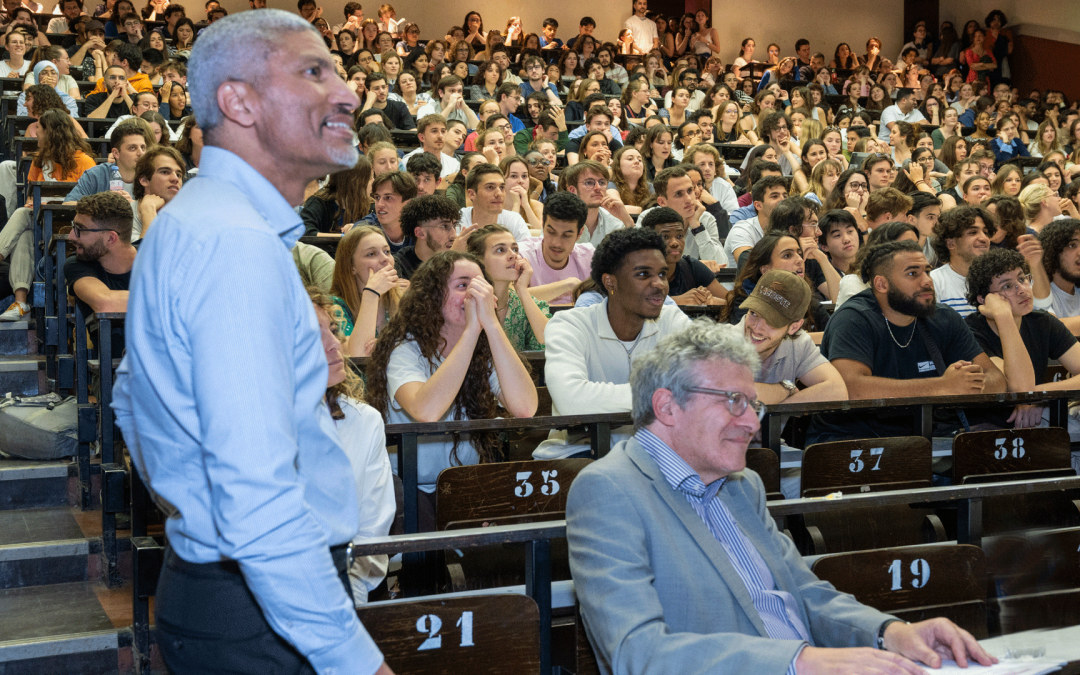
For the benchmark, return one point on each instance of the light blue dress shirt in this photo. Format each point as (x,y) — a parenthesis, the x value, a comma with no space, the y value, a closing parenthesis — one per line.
(778,609)
(219,397)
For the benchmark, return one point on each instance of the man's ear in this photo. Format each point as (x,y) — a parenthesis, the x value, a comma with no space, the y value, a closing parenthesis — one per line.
(239,102)
(880,284)
(663,405)
(795,327)
(610,285)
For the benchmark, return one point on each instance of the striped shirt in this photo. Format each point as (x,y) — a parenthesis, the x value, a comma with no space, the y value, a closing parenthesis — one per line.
(777,609)
(951,289)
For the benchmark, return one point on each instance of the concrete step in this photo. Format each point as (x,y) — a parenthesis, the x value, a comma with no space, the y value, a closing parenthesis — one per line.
(28,484)
(50,546)
(17,338)
(24,375)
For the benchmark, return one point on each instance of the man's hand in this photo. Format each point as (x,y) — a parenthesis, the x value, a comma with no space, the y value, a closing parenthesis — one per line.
(860,661)
(963,378)
(694,296)
(153,201)
(996,307)
(461,241)
(930,641)
(1029,247)
(615,207)
(713,266)
(1026,416)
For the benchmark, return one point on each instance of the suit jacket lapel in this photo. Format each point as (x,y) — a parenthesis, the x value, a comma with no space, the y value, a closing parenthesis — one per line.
(698,531)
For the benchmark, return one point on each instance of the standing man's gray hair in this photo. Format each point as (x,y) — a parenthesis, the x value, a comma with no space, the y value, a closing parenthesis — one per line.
(236,48)
(674,364)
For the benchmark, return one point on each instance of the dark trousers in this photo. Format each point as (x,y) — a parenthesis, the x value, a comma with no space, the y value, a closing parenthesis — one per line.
(209,622)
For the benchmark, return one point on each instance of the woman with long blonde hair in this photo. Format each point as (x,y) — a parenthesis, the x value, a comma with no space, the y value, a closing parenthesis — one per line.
(366,289)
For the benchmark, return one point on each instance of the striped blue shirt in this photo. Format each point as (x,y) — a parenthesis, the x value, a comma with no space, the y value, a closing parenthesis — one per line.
(778,609)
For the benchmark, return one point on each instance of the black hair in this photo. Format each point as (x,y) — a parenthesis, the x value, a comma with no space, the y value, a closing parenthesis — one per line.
(880,256)
(566,206)
(953,223)
(425,208)
(836,218)
(766,182)
(993,263)
(612,251)
(1054,238)
(125,51)
(921,200)
(761,166)
(661,215)
(424,162)
(788,216)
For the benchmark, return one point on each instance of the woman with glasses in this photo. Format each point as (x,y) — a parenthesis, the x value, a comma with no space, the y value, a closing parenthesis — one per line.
(851,194)
(366,289)
(726,128)
(540,166)
(687,135)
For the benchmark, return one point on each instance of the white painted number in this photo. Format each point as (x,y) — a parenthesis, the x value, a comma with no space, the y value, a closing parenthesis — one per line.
(858,465)
(430,624)
(550,486)
(526,488)
(1001,451)
(919,567)
(465,624)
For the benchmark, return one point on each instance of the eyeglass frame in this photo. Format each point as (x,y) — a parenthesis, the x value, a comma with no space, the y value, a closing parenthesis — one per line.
(79,230)
(733,398)
(1021,280)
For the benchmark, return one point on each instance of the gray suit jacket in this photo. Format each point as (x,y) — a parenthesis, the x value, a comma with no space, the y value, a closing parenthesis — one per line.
(659,593)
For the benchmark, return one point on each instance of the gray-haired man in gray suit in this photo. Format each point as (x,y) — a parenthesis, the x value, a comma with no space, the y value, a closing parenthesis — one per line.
(677,564)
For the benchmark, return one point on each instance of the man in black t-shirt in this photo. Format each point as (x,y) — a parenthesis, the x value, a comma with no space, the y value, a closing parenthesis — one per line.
(878,342)
(1019,339)
(99,272)
(689,281)
(378,97)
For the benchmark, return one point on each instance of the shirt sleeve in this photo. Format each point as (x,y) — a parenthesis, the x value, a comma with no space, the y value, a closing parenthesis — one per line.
(85,186)
(708,241)
(847,338)
(258,508)
(1061,340)
(404,366)
(567,372)
(702,275)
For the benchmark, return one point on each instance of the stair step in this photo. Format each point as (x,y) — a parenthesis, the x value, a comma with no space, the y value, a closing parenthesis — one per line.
(86,653)
(27,484)
(23,375)
(17,338)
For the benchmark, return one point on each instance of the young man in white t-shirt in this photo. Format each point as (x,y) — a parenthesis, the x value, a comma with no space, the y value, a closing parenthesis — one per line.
(960,236)
(430,131)
(558,260)
(589,181)
(643,28)
(485,187)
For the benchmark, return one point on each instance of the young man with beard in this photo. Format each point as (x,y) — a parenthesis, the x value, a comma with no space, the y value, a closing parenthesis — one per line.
(689,281)
(558,260)
(589,349)
(99,272)
(776,131)
(960,236)
(878,341)
(1061,260)
(430,131)
(432,220)
(159,175)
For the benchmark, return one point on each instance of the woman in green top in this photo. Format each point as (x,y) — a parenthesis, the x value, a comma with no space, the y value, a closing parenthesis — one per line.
(523,317)
(366,288)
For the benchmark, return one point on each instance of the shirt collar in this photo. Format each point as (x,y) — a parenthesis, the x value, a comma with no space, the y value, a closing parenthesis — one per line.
(605,332)
(220,164)
(676,471)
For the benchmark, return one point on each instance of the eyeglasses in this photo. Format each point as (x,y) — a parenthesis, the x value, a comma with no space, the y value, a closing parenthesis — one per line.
(445,227)
(539,161)
(857,186)
(1009,289)
(80,230)
(737,402)
(592,183)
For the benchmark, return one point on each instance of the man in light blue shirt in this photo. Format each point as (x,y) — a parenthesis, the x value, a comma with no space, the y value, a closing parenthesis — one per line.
(676,560)
(220,393)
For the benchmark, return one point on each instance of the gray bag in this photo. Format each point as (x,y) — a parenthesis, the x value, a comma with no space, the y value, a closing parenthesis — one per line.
(39,427)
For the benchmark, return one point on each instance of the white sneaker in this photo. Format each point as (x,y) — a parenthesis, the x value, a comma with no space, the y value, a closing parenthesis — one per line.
(16,312)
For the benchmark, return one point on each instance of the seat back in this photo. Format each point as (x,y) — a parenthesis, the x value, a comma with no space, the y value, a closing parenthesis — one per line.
(915,582)
(469,493)
(474,634)
(1009,450)
(866,462)
(766,464)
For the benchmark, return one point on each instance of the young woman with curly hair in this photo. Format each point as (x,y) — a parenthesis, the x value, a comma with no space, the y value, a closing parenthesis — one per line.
(443,357)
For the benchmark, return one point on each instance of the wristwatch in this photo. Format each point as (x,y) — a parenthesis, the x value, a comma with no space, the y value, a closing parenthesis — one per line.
(697,230)
(790,386)
(880,642)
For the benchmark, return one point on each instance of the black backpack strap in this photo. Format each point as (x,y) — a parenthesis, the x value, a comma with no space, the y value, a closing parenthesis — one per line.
(939,364)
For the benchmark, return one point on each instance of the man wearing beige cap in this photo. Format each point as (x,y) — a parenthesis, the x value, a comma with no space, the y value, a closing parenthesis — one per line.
(773,325)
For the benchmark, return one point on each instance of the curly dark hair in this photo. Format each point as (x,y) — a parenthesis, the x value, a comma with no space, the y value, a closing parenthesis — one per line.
(953,223)
(426,208)
(612,251)
(43,98)
(419,318)
(995,262)
(1054,238)
(789,215)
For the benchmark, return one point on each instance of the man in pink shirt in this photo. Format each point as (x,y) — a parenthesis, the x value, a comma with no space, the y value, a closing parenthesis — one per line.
(559,263)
